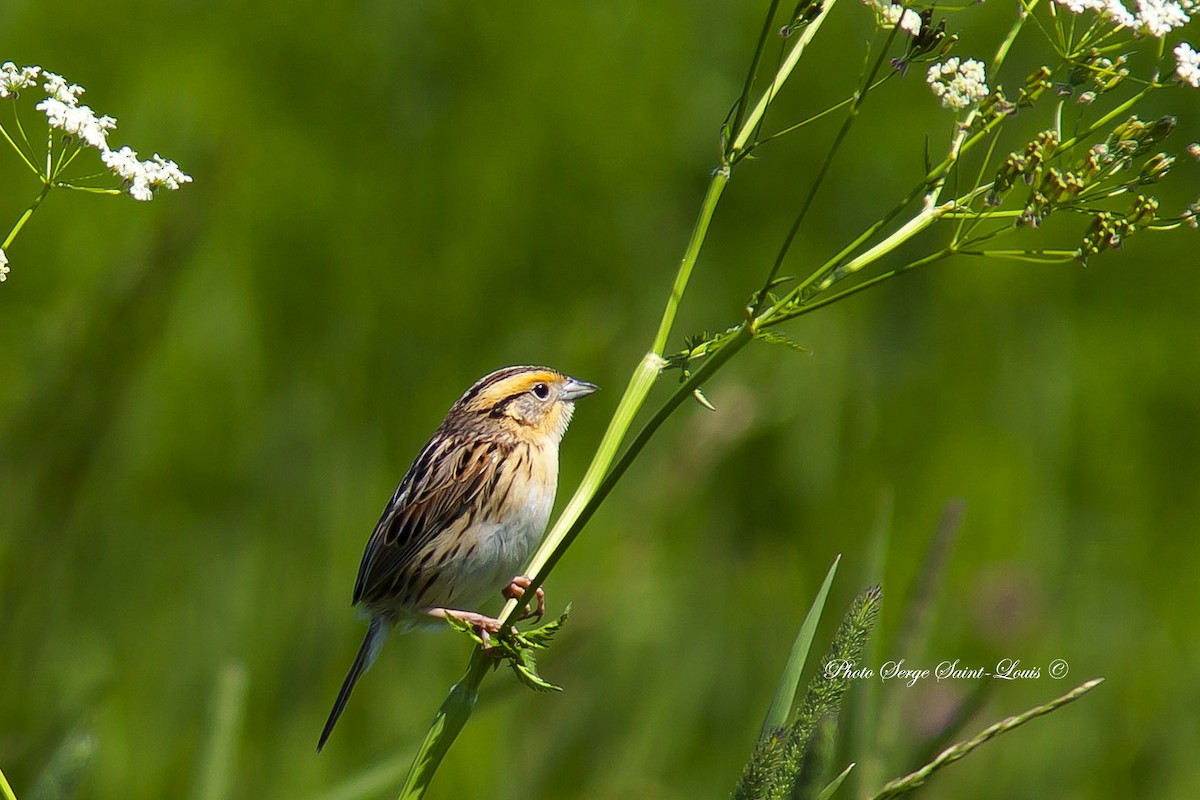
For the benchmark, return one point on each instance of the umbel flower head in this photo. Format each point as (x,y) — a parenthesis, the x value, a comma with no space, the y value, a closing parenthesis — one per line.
(143,177)
(64,112)
(958,84)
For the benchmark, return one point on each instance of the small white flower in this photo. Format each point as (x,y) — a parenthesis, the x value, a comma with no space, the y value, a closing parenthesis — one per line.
(908,20)
(1116,11)
(13,78)
(958,84)
(57,87)
(1086,98)
(1187,65)
(1194,150)
(1160,17)
(78,121)
(143,177)
(890,14)
(1154,17)
(3,267)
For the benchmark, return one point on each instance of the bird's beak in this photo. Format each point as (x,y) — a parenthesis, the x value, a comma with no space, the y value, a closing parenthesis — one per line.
(573,389)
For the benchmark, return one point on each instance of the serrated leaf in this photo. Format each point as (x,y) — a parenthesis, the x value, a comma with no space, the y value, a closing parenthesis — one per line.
(525,668)
(541,636)
(771,337)
(463,627)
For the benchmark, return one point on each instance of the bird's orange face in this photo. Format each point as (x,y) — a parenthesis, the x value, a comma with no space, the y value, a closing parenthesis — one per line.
(533,403)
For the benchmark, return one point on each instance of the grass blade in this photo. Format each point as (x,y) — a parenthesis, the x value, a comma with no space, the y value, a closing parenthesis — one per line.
(835,784)
(785,691)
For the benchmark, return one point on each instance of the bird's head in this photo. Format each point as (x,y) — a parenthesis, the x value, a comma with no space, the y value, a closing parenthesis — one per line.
(528,402)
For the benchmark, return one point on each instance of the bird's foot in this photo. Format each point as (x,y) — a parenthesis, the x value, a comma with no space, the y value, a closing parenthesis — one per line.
(516,590)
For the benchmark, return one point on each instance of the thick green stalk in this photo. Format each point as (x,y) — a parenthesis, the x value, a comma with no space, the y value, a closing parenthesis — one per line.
(450,719)
(6,791)
(716,187)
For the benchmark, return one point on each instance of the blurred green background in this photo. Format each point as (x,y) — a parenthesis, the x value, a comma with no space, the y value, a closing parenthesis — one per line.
(206,401)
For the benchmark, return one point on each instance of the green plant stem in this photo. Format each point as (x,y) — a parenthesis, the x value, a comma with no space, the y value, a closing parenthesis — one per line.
(37,201)
(716,186)
(860,95)
(826,300)
(6,791)
(20,152)
(751,74)
(819,115)
(737,149)
(450,719)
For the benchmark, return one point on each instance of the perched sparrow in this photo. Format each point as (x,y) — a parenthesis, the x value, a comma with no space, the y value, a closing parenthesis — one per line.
(469,512)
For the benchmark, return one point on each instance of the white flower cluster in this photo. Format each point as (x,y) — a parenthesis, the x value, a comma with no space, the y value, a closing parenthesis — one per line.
(77,120)
(889,15)
(63,112)
(143,177)
(1187,65)
(3,267)
(1154,17)
(958,84)
(13,78)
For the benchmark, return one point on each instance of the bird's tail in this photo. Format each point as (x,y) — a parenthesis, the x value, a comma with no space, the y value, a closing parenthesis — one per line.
(366,656)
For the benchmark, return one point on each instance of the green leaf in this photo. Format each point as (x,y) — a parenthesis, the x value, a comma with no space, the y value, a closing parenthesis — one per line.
(772,337)
(463,627)
(785,691)
(525,668)
(835,784)
(541,636)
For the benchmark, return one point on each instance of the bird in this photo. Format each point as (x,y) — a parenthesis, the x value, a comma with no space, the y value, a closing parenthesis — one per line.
(467,514)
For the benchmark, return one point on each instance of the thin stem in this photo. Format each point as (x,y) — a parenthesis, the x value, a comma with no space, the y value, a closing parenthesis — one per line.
(1103,121)
(859,98)
(827,300)
(1031,256)
(752,73)
(37,201)
(1006,45)
(24,136)
(20,152)
(737,150)
(820,114)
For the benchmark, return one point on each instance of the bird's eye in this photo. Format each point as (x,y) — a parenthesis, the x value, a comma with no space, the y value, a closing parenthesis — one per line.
(541,391)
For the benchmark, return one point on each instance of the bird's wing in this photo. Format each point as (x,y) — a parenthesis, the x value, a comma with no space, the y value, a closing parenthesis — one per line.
(443,483)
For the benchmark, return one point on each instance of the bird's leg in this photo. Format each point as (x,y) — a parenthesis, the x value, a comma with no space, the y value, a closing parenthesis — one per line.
(484,625)
(516,590)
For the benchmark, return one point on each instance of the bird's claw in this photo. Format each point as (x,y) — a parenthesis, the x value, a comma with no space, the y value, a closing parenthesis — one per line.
(516,590)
